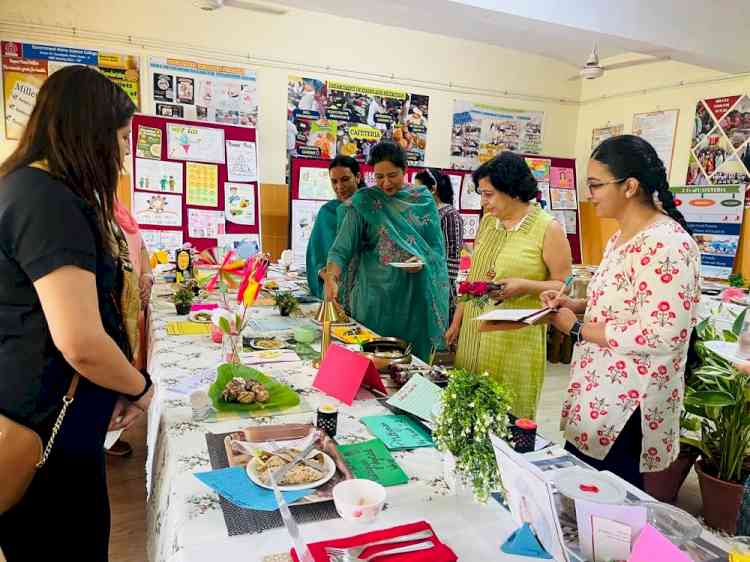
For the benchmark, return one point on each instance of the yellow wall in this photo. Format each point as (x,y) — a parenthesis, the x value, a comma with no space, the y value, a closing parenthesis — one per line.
(321,41)
(664,78)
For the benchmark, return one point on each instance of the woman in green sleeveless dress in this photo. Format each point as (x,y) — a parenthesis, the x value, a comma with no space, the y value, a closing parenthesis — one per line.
(525,249)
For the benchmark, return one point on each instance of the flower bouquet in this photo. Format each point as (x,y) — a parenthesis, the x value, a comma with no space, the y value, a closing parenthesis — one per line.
(478,291)
(231,323)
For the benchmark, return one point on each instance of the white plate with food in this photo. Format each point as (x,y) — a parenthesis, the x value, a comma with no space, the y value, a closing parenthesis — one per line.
(406,264)
(200,316)
(317,469)
(266,344)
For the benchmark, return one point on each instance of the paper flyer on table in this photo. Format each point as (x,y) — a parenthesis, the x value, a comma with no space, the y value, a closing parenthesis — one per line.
(202,184)
(418,396)
(197,144)
(155,240)
(205,224)
(157,209)
(239,203)
(242,161)
(158,175)
(315,183)
(530,498)
(148,144)
(635,517)
(714,213)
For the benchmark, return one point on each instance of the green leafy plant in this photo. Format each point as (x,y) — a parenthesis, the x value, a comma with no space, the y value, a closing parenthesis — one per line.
(736,280)
(719,395)
(183,295)
(286,302)
(473,406)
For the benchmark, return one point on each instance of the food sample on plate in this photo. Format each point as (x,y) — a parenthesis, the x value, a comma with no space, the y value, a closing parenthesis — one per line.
(267,343)
(349,334)
(202,317)
(309,470)
(244,391)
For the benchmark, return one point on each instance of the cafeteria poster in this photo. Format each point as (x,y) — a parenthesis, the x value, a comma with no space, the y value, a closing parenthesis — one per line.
(204,92)
(330,118)
(720,143)
(27,65)
(714,213)
(482,131)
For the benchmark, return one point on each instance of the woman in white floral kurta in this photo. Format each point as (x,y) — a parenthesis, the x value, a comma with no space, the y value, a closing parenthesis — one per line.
(622,409)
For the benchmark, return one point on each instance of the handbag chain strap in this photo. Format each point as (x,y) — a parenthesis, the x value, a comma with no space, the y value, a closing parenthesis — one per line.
(67,401)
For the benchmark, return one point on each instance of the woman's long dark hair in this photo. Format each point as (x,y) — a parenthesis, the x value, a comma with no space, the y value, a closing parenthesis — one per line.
(629,156)
(73,127)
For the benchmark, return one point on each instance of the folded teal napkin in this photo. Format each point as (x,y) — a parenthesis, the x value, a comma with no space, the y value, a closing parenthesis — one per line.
(523,542)
(234,485)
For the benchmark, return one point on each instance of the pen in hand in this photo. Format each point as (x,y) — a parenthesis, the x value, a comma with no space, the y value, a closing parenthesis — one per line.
(566,285)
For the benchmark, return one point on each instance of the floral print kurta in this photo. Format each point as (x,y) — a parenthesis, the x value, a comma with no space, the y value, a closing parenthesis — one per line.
(646,292)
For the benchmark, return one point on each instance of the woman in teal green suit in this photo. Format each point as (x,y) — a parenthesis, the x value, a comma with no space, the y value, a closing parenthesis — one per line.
(389,224)
(345,179)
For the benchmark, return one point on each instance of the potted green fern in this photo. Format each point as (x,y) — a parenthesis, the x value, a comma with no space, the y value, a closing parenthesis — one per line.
(183,299)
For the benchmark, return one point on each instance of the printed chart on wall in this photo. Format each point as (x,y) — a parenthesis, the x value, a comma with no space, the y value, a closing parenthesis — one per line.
(603,133)
(719,147)
(204,92)
(330,118)
(659,128)
(481,131)
(195,183)
(26,66)
(714,213)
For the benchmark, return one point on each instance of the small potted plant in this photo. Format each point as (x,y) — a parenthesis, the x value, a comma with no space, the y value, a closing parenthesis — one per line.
(286,302)
(473,406)
(718,394)
(183,299)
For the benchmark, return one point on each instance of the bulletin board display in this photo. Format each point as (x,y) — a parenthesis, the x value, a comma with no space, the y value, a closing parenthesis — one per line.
(194,181)
(310,189)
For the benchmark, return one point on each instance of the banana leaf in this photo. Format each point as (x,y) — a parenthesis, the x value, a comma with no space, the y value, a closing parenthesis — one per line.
(280,395)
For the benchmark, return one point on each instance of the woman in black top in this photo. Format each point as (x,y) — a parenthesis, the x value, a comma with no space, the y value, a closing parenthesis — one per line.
(62,273)
(451,222)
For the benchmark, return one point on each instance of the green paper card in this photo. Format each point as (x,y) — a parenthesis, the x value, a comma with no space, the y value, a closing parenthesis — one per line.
(399,433)
(371,460)
(418,396)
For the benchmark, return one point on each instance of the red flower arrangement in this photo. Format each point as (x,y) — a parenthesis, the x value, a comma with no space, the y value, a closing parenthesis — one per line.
(477,290)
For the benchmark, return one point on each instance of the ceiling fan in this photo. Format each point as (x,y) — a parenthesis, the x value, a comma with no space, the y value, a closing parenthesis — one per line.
(212,5)
(592,69)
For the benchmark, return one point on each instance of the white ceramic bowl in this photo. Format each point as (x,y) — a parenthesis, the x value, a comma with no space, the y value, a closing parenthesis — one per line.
(359,500)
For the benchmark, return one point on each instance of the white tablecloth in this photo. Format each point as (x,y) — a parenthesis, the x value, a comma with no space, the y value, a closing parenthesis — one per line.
(185,521)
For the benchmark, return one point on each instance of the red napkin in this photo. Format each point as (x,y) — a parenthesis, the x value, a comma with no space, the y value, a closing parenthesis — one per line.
(441,552)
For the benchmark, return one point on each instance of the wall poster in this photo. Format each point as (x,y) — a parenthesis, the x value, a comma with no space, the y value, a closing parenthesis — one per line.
(481,131)
(27,65)
(659,128)
(328,118)
(719,147)
(204,92)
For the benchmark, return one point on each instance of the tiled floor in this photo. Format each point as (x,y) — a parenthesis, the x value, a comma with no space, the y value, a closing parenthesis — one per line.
(548,417)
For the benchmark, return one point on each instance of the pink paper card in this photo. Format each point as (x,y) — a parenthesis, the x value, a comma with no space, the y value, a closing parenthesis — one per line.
(651,545)
(196,307)
(343,372)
